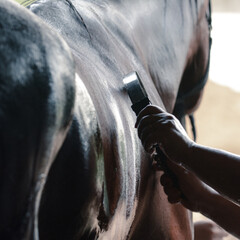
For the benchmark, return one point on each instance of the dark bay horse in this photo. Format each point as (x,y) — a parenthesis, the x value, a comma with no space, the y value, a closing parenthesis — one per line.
(100,183)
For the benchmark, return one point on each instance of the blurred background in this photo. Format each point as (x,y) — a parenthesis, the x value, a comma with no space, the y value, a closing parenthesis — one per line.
(218,117)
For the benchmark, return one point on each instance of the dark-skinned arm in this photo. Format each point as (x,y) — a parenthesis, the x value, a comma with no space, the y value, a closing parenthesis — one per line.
(218,168)
(198,197)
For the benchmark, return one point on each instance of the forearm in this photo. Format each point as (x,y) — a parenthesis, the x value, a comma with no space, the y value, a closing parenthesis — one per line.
(219,169)
(225,213)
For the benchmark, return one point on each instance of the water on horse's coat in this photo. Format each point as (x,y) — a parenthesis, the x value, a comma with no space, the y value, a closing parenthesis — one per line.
(100,184)
(35,114)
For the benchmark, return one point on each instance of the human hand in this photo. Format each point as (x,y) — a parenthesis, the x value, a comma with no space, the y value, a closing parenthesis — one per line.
(208,230)
(190,191)
(156,126)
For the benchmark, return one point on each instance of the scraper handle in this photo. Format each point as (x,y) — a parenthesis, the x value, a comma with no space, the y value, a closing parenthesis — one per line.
(137,107)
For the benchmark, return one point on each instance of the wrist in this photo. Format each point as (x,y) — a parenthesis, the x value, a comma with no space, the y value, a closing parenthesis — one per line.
(188,158)
(207,201)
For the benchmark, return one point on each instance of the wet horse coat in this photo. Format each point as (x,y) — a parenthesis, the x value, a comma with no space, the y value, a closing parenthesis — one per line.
(36,105)
(101,183)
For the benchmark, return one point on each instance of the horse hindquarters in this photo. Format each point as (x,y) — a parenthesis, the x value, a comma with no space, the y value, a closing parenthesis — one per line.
(71,199)
(36,98)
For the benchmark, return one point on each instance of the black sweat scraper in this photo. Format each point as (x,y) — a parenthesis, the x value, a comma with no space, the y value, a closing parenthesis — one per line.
(140,100)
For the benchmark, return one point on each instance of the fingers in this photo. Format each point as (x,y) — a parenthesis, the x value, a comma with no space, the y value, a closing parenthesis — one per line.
(166,181)
(152,121)
(173,193)
(177,169)
(150,136)
(152,127)
(174,197)
(150,109)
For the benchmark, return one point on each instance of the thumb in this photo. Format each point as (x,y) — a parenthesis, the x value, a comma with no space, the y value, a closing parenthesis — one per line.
(176,168)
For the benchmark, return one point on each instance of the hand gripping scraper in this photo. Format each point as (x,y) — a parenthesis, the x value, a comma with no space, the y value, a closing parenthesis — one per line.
(140,100)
